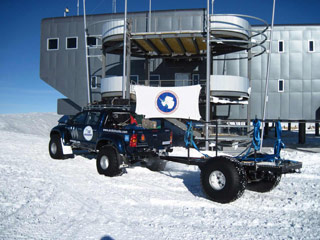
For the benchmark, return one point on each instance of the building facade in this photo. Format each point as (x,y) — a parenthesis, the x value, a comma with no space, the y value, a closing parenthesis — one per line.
(171,52)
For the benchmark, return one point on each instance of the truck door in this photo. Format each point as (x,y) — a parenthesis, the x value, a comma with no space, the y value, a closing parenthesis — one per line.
(91,128)
(76,128)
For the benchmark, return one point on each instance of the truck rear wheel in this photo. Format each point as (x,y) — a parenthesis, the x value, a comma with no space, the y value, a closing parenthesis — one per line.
(107,162)
(223,179)
(55,148)
(268,183)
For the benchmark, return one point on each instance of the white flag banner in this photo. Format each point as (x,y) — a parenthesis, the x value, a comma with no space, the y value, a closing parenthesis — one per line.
(168,102)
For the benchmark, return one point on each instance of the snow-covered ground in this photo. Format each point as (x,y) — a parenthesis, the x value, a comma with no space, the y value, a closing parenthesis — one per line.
(41,198)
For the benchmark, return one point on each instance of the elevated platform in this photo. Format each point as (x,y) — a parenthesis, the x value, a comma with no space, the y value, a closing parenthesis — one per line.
(178,36)
(221,86)
(171,37)
(229,86)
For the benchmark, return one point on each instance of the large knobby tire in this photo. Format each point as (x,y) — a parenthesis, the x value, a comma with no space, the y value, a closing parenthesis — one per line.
(108,162)
(268,183)
(55,148)
(223,179)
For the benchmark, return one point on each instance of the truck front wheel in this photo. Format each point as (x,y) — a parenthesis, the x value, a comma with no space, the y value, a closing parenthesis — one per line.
(107,162)
(223,179)
(55,147)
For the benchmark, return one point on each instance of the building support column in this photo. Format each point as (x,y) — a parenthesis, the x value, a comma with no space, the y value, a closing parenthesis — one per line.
(250,87)
(317,129)
(128,65)
(266,129)
(289,127)
(208,49)
(147,71)
(302,132)
(104,63)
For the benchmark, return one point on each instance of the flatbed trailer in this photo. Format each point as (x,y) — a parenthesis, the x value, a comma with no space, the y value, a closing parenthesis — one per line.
(225,178)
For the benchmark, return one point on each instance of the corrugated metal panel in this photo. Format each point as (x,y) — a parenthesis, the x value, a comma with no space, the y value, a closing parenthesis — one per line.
(65,71)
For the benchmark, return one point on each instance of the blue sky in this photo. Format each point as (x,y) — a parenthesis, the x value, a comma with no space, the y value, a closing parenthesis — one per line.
(22,90)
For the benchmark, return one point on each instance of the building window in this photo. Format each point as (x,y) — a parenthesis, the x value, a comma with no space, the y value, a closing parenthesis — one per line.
(134,79)
(155,80)
(72,43)
(196,79)
(94,82)
(53,44)
(311,46)
(280,85)
(280,46)
(92,41)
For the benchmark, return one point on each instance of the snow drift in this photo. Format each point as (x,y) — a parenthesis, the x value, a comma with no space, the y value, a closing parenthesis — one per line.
(41,198)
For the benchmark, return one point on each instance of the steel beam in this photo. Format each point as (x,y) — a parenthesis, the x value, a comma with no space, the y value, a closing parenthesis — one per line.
(302,132)
(181,46)
(196,45)
(153,46)
(164,42)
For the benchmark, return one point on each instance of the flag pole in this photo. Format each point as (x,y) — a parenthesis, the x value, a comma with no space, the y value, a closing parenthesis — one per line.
(208,77)
(124,51)
(86,49)
(77,7)
(149,20)
(268,75)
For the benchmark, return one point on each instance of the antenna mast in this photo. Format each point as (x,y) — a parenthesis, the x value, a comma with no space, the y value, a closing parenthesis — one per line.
(114,6)
(78,8)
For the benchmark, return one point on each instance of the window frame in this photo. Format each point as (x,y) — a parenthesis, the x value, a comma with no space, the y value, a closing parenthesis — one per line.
(137,76)
(313,46)
(55,49)
(67,38)
(154,80)
(280,80)
(96,81)
(193,79)
(93,46)
(281,41)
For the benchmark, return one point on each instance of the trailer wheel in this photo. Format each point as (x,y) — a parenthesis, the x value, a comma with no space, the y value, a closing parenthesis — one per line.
(223,179)
(55,148)
(268,183)
(107,162)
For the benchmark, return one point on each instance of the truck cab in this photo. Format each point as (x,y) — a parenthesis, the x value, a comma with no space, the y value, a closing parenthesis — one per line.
(117,129)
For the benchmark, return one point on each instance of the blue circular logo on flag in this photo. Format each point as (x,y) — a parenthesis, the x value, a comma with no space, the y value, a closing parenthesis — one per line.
(167,102)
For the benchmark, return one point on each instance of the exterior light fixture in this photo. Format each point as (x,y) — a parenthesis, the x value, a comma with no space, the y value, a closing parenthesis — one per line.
(66,10)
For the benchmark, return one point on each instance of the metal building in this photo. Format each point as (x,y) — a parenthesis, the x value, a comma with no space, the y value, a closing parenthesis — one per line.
(171,51)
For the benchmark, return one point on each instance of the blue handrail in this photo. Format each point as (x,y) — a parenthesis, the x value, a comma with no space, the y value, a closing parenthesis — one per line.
(188,138)
(256,142)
